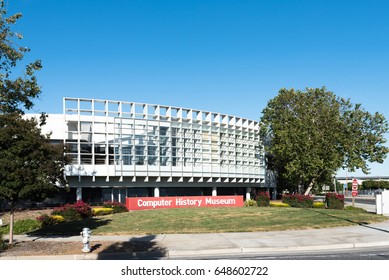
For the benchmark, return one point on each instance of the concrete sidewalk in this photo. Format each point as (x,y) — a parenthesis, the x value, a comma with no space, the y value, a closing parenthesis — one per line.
(176,246)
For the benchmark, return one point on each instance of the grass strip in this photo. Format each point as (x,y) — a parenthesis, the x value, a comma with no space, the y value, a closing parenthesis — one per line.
(212,220)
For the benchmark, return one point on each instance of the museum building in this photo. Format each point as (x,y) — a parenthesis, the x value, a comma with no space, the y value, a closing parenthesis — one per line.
(124,149)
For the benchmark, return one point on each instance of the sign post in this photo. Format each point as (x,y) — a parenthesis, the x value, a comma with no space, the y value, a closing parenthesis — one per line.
(354,191)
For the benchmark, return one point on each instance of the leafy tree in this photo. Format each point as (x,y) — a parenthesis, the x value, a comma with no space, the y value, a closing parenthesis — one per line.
(374,185)
(30,167)
(313,133)
(15,92)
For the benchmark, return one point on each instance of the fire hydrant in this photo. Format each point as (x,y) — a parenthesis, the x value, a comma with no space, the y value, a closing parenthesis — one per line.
(86,233)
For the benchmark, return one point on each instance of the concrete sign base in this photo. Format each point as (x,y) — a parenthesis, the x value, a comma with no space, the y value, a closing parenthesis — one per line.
(382,203)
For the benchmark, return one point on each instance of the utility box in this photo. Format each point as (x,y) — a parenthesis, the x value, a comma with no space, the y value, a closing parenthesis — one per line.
(382,203)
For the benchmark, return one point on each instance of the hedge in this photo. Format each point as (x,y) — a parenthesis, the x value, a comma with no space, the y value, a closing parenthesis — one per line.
(278,204)
(73,212)
(334,201)
(263,199)
(116,206)
(99,211)
(298,200)
(250,203)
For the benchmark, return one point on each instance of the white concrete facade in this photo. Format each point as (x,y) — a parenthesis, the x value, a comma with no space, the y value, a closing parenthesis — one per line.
(129,143)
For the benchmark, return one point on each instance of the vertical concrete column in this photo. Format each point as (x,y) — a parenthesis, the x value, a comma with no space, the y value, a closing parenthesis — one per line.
(248,191)
(214,191)
(79,193)
(156,192)
(385,202)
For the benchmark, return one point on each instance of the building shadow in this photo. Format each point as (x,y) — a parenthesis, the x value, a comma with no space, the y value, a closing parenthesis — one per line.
(136,248)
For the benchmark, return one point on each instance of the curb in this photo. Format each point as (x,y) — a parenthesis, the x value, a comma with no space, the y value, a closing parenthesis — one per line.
(211,252)
(215,252)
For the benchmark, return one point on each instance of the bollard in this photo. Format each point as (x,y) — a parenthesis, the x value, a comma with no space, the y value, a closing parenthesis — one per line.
(86,234)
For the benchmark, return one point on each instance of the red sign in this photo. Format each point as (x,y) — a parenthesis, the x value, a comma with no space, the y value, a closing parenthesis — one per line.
(354,193)
(354,185)
(145,203)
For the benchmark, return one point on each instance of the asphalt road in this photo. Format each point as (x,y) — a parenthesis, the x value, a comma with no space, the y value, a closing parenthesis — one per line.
(380,253)
(350,254)
(361,200)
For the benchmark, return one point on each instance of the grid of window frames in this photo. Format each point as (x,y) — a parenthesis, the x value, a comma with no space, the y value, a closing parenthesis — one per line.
(133,136)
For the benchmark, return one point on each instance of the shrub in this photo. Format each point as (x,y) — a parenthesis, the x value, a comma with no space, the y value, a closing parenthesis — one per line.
(57,219)
(83,209)
(298,200)
(278,204)
(68,213)
(334,201)
(263,199)
(116,206)
(23,226)
(319,204)
(3,230)
(3,246)
(73,212)
(250,203)
(102,211)
(45,220)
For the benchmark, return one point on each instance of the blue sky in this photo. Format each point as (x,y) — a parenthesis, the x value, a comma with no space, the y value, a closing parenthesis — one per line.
(218,55)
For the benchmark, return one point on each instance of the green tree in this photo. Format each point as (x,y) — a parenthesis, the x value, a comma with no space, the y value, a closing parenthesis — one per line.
(313,133)
(15,92)
(30,167)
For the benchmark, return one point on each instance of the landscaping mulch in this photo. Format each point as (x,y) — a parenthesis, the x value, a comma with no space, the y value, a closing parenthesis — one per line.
(50,248)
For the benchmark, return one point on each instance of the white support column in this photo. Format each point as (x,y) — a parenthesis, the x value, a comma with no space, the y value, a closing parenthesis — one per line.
(214,191)
(156,192)
(79,193)
(248,191)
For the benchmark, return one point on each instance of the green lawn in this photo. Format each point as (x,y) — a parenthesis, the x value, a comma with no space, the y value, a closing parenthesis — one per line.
(206,220)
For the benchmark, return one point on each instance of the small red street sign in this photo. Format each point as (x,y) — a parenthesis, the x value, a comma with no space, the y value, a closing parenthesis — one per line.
(354,185)
(354,191)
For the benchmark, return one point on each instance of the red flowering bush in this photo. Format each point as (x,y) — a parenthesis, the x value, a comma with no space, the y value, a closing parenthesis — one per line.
(46,220)
(69,213)
(83,209)
(298,200)
(116,206)
(263,199)
(334,201)
(72,212)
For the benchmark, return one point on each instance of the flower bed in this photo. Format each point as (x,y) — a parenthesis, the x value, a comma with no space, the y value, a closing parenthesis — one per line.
(263,199)
(116,206)
(278,204)
(298,200)
(334,201)
(101,211)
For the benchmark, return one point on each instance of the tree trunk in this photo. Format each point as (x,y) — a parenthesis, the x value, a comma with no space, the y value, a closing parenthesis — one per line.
(310,187)
(11,226)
